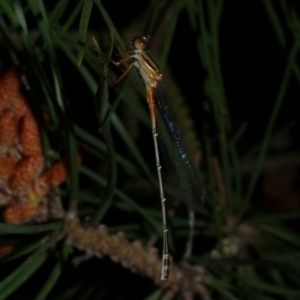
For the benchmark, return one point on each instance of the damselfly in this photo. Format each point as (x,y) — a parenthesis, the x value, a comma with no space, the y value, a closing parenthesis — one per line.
(166,135)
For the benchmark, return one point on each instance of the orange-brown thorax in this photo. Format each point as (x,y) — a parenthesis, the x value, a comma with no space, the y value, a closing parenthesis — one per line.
(149,70)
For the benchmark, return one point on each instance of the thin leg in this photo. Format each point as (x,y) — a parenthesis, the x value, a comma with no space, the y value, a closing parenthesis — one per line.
(125,73)
(121,61)
(130,54)
(118,63)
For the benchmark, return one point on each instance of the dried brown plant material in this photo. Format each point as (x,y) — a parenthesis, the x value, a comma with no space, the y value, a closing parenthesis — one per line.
(9,88)
(6,167)
(189,280)
(50,207)
(8,129)
(26,183)
(29,137)
(19,213)
(4,198)
(24,173)
(57,174)
(20,107)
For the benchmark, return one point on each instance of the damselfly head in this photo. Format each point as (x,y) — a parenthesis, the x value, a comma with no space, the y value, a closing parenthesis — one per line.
(140,43)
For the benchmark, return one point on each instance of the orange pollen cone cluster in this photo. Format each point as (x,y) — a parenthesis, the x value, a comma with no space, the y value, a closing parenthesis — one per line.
(25,180)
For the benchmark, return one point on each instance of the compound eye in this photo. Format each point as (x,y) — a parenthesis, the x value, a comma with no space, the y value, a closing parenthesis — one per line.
(140,43)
